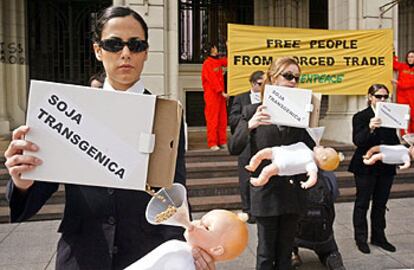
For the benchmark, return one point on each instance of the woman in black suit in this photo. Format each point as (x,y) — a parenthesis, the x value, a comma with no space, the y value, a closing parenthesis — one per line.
(102,228)
(371,180)
(278,204)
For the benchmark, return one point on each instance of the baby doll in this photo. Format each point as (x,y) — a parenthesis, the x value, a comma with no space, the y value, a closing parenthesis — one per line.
(388,154)
(220,233)
(293,159)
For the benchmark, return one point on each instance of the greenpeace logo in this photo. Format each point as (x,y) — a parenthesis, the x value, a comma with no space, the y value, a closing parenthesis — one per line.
(322,78)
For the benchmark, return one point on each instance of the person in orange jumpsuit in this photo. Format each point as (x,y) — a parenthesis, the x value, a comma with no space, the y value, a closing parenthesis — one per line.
(405,85)
(215,110)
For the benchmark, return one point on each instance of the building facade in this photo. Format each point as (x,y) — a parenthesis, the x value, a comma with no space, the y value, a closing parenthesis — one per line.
(38,41)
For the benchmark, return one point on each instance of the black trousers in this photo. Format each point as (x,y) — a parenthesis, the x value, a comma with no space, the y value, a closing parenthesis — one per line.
(244,184)
(378,188)
(275,241)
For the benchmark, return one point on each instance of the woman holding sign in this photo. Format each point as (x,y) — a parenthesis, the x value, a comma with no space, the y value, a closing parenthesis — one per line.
(102,228)
(371,180)
(278,204)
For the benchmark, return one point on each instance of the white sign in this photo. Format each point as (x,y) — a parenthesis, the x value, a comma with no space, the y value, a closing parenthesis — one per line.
(90,136)
(288,106)
(393,115)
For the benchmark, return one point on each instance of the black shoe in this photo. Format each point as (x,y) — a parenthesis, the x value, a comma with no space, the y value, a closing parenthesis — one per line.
(384,245)
(334,261)
(363,247)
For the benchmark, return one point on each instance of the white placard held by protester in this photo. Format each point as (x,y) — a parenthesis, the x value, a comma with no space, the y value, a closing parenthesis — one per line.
(288,106)
(90,137)
(393,115)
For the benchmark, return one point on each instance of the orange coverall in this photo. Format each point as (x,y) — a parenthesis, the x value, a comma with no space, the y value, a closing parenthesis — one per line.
(215,110)
(405,89)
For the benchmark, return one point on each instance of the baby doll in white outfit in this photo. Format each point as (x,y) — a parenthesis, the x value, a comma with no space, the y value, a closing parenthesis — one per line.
(388,154)
(220,233)
(293,159)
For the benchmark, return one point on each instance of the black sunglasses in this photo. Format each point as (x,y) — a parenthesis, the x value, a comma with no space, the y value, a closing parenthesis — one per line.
(116,44)
(382,96)
(289,76)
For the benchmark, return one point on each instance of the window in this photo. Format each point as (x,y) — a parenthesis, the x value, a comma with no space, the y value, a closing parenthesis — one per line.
(204,21)
(318,14)
(59,39)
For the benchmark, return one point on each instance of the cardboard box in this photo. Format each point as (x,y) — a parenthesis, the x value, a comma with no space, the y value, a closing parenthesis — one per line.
(393,115)
(102,138)
(168,115)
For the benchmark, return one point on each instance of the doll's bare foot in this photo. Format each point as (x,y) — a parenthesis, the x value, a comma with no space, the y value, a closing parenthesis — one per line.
(249,168)
(253,164)
(368,162)
(405,166)
(304,185)
(258,182)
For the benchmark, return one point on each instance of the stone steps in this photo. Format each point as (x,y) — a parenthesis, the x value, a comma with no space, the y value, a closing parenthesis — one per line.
(212,181)
(207,203)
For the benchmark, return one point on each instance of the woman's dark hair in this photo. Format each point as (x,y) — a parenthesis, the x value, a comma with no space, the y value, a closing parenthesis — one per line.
(99,76)
(406,56)
(114,12)
(374,88)
(207,48)
(256,76)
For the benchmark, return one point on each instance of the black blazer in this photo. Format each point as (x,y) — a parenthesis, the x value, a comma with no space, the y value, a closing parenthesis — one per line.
(280,195)
(364,140)
(102,228)
(236,109)
(235,115)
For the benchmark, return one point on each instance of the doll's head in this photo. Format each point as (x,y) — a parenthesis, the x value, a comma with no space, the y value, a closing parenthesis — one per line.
(327,158)
(220,233)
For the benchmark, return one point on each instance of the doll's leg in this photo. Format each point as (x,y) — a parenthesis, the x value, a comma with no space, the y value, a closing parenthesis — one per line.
(267,172)
(371,151)
(312,179)
(255,161)
(374,158)
(406,165)
(407,162)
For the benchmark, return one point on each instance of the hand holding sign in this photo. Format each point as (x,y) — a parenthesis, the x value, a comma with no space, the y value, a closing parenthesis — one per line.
(261,117)
(17,162)
(374,122)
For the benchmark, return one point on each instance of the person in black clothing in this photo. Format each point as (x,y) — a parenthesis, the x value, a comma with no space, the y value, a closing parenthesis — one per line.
(278,204)
(97,80)
(102,228)
(372,181)
(251,97)
(315,230)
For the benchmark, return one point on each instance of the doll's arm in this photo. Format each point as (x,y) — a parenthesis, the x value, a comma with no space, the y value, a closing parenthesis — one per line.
(312,170)
(267,172)
(255,161)
(371,151)
(374,158)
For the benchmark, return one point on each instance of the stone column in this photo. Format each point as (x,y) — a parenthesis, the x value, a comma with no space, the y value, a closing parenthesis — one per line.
(13,65)
(154,13)
(171,28)
(351,15)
